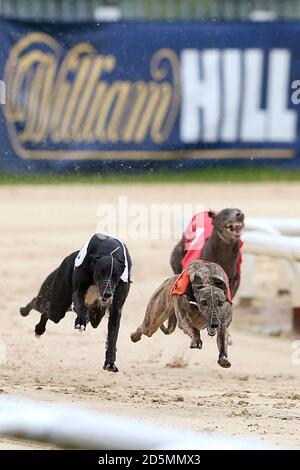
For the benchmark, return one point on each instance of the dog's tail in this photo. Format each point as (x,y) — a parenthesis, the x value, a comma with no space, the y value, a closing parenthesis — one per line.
(172,322)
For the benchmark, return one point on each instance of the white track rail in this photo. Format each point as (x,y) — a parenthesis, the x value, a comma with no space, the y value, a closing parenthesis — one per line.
(275,246)
(73,427)
(278,239)
(285,226)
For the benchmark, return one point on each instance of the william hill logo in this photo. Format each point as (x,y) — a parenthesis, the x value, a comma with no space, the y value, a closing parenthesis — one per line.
(80,104)
(58,100)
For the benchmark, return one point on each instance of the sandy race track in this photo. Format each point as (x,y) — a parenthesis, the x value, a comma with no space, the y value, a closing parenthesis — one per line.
(258,396)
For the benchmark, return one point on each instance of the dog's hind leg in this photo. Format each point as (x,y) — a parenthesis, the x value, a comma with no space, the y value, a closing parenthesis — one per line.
(172,322)
(40,327)
(147,328)
(152,323)
(159,309)
(24,311)
(136,336)
(39,302)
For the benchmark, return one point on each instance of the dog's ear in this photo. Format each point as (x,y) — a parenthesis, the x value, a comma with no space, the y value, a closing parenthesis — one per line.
(94,260)
(189,292)
(212,214)
(219,282)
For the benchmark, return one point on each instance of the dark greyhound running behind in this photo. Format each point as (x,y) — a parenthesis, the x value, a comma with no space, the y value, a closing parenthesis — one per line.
(222,246)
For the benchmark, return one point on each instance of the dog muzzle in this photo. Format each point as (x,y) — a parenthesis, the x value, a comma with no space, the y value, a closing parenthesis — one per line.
(213,324)
(106,297)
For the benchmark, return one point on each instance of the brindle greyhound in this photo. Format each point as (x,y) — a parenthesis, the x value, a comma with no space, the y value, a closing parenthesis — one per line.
(205,303)
(222,247)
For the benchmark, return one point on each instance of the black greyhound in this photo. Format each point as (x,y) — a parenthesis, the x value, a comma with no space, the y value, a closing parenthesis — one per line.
(101,270)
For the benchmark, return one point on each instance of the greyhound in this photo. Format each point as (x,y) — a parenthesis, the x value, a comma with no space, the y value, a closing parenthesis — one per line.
(90,282)
(222,246)
(199,298)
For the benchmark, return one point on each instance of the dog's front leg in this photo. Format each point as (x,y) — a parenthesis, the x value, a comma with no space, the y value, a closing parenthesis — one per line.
(185,322)
(115,314)
(193,333)
(222,340)
(80,309)
(112,336)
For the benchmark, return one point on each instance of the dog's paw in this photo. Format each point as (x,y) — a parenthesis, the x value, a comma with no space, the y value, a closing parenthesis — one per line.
(135,337)
(80,324)
(80,328)
(24,311)
(224,362)
(110,367)
(196,344)
(39,330)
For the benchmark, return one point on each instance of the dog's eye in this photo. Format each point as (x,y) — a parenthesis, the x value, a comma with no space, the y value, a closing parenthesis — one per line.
(220,303)
(204,302)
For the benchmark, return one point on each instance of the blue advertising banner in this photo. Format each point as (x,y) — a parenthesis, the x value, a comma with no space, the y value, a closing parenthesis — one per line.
(97,96)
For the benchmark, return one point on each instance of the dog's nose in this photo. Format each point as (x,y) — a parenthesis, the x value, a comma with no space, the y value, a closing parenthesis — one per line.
(213,326)
(107,295)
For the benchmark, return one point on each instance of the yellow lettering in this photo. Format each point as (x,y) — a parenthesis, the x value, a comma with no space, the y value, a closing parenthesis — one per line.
(57,99)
